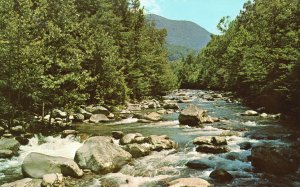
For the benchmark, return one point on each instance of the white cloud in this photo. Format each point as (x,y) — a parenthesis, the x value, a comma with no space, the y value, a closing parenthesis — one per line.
(151,6)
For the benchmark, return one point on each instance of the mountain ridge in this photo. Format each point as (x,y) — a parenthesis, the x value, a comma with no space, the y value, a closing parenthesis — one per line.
(181,32)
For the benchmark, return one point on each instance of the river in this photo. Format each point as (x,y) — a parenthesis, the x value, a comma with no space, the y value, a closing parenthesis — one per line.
(156,168)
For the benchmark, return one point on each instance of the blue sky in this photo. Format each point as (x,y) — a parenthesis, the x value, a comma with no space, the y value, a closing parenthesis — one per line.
(206,13)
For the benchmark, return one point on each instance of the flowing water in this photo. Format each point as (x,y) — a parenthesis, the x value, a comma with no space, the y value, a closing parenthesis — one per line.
(158,167)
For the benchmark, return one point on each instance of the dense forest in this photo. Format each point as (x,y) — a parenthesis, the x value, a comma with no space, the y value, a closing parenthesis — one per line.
(257,56)
(56,53)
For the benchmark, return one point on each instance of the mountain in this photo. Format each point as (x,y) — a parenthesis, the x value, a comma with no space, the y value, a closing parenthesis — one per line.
(182,33)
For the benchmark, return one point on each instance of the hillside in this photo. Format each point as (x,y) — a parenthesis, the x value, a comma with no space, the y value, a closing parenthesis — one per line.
(182,33)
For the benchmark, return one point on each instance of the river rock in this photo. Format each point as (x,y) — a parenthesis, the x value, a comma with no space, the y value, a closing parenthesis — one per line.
(101,156)
(137,150)
(133,107)
(221,175)
(250,113)
(161,142)
(79,117)
(218,140)
(96,118)
(263,115)
(22,140)
(97,110)
(192,116)
(153,116)
(173,106)
(197,164)
(9,146)
(212,149)
(189,182)
(129,138)
(56,113)
(203,140)
(35,165)
(17,130)
(85,113)
(26,182)
(68,132)
(275,159)
(217,95)
(117,134)
(52,179)
(245,145)
(141,140)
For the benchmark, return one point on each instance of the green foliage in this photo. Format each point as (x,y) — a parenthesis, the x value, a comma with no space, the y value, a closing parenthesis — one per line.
(257,56)
(65,53)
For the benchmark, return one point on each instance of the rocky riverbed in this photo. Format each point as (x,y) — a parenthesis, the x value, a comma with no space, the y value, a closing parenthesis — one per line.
(190,138)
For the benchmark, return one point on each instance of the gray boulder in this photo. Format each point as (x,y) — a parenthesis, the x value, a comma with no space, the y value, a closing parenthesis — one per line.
(193,116)
(161,142)
(101,156)
(56,113)
(137,150)
(35,165)
(85,113)
(17,130)
(203,140)
(96,118)
(275,159)
(153,116)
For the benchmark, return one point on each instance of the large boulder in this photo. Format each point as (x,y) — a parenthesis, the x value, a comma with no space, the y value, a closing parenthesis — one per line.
(137,150)
(8,147)
(26,182)
(96,118)
(221,175)
(212,149)
(35,165)
(85,113)
(161,142)
(100,155)
(275,159)
(97,110)
(186,182)
(192,116)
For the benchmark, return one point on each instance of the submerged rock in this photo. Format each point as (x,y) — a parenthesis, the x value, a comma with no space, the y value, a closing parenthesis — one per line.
(101,156)
(189,182)
(275,159)
(192,116)
(35,165)
(221,175)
